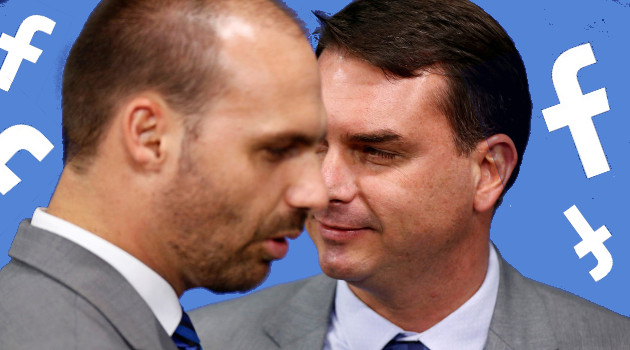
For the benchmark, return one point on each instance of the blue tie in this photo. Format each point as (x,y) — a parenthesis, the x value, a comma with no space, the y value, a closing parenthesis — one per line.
(404,345)
(185,337)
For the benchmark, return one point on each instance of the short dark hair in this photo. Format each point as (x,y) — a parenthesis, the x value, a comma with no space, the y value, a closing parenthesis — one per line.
(132,46)
(487,91)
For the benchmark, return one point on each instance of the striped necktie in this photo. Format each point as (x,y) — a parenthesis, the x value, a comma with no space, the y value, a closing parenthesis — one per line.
(185,337)
(404,345)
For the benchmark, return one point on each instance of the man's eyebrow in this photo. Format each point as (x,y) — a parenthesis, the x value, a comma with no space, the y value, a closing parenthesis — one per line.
(296,138)
(375,137)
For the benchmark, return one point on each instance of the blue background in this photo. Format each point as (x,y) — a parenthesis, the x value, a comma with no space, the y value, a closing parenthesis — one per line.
(529,229)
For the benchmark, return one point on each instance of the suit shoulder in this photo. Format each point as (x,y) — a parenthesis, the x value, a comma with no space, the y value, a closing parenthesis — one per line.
(255,303)
(39,311)
(562,303)
(220,325)
(575,319)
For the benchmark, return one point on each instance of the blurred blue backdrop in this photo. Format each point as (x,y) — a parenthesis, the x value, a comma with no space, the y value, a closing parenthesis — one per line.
(529,229)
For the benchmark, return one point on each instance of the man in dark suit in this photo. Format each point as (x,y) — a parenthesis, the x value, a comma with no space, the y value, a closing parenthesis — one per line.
(174,114)
(428,118)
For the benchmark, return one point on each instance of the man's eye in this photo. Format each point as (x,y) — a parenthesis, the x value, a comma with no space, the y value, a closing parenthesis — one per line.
(378,153)
(321,149)
(277,153)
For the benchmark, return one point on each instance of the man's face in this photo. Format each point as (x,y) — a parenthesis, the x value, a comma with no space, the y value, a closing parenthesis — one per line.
(401,196)
(247,181)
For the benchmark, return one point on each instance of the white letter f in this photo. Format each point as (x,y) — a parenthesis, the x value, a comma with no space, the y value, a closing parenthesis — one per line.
(19,48)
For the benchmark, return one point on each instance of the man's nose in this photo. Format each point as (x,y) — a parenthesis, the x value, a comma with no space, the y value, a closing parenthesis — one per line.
(338,176)
(308,191)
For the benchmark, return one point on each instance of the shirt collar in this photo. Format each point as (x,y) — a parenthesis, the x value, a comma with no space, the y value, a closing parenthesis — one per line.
(361,327)
(156,292)
(465,328)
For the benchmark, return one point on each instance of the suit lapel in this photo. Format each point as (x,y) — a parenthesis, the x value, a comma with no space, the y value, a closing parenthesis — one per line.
(302,322)
(93,279)
(520,318)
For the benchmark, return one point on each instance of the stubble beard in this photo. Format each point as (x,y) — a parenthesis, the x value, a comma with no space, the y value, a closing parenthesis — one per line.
(216,241)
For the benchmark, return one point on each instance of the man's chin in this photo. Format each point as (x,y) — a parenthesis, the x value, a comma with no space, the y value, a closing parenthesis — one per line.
(243,282)
(340,270)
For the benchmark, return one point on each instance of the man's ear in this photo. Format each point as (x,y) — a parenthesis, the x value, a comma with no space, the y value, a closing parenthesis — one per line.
(146,120)
(496,157)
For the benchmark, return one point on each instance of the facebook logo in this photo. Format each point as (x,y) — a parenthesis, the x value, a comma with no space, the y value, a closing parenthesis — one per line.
(19,48)
(13,140)
(576,110)
(592,242)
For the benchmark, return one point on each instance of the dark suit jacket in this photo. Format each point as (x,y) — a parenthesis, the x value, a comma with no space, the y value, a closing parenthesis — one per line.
(55,294)
(527,315)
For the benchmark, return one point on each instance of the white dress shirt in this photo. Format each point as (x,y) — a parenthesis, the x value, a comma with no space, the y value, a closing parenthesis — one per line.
(154,289)
(354,326)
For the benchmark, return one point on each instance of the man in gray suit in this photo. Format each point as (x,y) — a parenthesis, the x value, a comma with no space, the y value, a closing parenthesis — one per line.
(428,118)
(174,114)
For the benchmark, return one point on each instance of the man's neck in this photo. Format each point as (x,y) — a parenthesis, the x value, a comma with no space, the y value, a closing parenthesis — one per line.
(95,207)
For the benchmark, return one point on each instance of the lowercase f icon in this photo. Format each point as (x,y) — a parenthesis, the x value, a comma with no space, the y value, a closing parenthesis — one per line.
(592,242)
(576,110)
(13,140)
(19,48)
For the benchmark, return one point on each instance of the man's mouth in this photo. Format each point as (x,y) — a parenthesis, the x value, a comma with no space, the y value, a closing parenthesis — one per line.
(278,246)
(338,233)
(340,227)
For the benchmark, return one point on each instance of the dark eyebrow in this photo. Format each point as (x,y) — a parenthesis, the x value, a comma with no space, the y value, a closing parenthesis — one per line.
(295,138)
(375,137)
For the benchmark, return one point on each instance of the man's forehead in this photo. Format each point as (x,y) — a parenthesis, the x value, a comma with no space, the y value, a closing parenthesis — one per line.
(361,105)
(354,79)
(343,69)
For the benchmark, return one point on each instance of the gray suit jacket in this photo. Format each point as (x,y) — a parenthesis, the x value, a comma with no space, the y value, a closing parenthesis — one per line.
(55,294)
(527,315)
